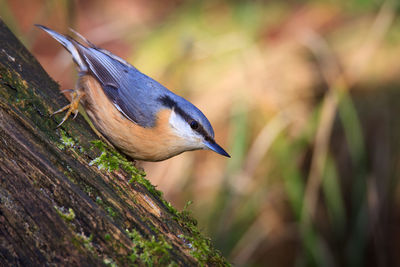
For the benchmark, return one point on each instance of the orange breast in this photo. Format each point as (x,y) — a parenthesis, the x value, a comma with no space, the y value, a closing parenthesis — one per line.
(151,144)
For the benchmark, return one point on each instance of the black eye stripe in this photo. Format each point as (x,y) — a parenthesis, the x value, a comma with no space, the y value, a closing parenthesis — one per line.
(170,103)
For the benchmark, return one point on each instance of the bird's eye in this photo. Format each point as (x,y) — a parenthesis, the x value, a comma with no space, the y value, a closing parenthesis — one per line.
(194,125)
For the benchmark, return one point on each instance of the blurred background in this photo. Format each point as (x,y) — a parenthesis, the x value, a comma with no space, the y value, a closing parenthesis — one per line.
(304,95)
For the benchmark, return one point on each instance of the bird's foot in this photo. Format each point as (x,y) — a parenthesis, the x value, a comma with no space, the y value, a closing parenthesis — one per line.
(72,107)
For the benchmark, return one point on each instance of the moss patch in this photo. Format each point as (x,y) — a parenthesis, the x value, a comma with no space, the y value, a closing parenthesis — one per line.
(155,250)
(111,160)
(152,252)
(24,97)
(67,215)
(199,246)
(66,141)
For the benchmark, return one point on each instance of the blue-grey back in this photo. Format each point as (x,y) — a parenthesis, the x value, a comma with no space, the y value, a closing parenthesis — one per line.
(136,95)
(132,92)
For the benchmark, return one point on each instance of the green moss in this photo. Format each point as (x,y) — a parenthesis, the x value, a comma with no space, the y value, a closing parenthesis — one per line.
(107,208)
(109,262)
(26,99)
(200,247)
(151,252)
(105,162)
(66,141)
(107,237)
(79,240)
(89,190)
(111,160)
(13,82)
(111,212)
(99,200)
(23,97)
(66,215)
(85,241)
(108,160)
(155,250)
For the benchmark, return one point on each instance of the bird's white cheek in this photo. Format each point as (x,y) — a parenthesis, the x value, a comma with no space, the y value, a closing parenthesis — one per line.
(184,133)
(178,124)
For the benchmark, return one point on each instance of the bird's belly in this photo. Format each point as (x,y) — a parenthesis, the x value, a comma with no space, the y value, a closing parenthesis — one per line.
(150,144)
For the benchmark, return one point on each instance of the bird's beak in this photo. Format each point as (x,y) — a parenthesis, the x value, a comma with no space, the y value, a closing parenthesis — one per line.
(212,145)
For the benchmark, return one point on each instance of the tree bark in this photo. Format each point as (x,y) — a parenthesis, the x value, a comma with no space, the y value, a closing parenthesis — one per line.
(65,200)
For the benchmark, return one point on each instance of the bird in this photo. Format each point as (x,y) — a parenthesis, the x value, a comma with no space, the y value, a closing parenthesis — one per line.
(135,113)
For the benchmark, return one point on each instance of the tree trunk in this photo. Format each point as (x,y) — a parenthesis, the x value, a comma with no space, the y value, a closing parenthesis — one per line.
(67,199)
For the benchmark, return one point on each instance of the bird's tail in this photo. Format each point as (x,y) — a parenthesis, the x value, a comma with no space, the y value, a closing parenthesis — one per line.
(70,44)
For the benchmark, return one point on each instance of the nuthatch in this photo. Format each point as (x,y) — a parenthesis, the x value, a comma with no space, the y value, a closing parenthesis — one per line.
(135,113)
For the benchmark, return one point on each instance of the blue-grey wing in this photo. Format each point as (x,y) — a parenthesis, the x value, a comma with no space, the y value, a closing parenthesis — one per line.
(133,93)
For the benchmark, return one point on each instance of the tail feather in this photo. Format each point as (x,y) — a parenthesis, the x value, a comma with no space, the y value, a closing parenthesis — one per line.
(89,43)
(69,44)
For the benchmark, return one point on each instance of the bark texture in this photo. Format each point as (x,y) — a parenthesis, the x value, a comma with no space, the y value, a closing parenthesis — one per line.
(57,207)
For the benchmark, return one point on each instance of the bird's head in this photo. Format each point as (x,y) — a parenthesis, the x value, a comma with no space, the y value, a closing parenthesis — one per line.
(190,125)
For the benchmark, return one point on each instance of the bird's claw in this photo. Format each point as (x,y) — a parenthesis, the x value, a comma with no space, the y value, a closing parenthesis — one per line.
(72,107)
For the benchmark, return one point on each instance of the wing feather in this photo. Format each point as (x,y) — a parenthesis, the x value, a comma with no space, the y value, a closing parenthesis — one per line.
(133,93)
